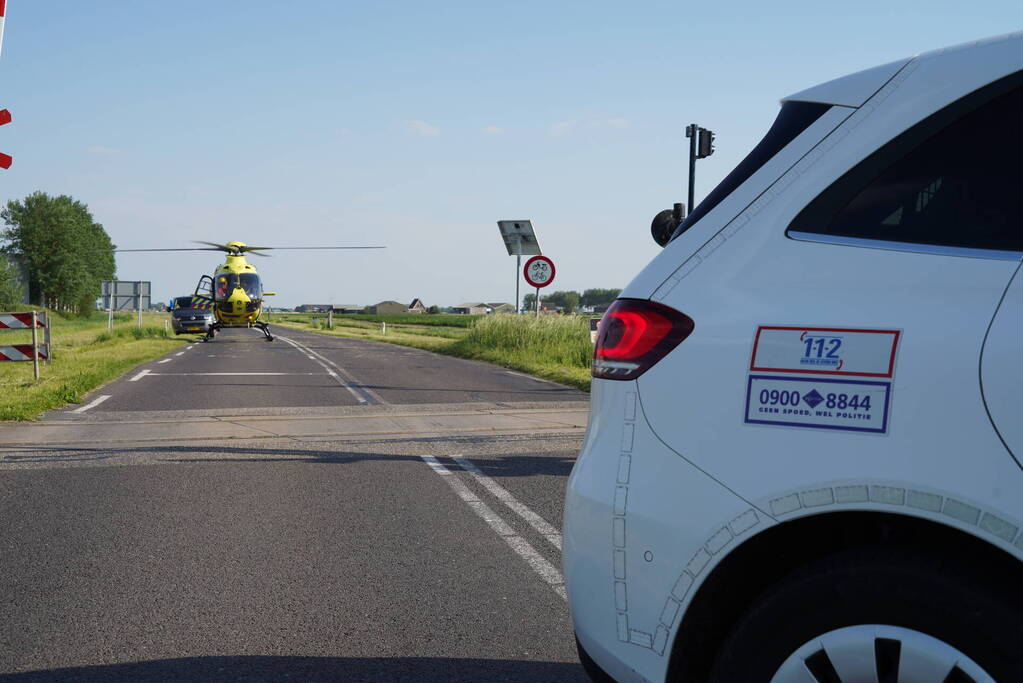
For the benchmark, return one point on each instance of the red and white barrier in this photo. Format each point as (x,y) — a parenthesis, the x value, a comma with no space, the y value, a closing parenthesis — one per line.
(20,352)
(17,321)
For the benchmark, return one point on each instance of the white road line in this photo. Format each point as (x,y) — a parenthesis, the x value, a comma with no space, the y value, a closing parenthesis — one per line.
(139,376)
(189,347)
(165,360)
(546,529)
(535,379)
(228,374)
(95,402)
(358,397)
(547,571)
(180,353)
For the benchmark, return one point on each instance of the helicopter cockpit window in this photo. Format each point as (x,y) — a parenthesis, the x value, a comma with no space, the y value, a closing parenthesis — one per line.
(251,284)
(223,286)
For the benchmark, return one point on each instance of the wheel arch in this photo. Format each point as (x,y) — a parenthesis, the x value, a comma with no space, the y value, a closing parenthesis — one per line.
(770,555)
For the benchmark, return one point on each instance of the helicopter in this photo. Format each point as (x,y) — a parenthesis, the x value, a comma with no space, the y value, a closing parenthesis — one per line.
(235,291)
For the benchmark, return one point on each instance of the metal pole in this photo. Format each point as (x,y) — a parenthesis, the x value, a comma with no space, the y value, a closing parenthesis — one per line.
(537,302)
(35,346)
(691,133)
(138,300)
(46,337)
(110,317)
(518,269)
(330,318)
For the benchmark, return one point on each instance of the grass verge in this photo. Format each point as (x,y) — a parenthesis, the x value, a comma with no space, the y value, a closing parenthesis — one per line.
(85,355)
(551,347)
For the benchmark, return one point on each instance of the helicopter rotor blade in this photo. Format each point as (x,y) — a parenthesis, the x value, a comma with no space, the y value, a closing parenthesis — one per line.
(313,248)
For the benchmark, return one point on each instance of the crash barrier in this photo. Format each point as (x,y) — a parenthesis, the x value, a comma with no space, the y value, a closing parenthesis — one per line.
(27,352)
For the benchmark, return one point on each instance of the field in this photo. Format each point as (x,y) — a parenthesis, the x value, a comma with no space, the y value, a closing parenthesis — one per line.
(553,347)
(85,355)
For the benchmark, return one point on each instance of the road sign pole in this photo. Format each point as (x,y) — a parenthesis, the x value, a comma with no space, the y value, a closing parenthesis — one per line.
(35,345)
(110,317)
(537,302)
(518,269)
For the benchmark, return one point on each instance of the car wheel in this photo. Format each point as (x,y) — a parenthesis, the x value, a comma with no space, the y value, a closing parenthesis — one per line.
(879,614)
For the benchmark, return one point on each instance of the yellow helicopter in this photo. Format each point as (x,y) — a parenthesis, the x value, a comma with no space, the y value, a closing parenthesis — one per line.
(235,291)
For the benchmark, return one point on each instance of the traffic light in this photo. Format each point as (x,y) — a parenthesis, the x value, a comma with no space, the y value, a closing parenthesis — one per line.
(705,144)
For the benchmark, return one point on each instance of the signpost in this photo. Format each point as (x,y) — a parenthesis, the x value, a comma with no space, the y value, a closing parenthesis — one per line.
(539,272)
(26,352)
(520,240)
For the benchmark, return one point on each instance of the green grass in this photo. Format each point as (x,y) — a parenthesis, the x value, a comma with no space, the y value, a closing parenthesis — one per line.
(553,347)
(85,355)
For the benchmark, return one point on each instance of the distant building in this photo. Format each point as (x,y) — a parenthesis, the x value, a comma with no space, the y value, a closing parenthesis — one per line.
(471,308)
(417,306)
(388,308)
(313,308)
(348,308)
(501,308)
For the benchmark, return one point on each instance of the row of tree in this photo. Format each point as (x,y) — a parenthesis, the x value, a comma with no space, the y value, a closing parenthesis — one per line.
(570,301)
(66,252)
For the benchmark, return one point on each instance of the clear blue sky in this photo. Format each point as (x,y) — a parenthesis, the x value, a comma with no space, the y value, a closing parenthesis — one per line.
(415,125)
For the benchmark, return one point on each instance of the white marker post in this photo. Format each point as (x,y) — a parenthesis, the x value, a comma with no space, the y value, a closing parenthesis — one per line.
(35,345)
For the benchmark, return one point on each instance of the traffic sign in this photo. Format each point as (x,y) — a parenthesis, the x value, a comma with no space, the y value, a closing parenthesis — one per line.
(539,271)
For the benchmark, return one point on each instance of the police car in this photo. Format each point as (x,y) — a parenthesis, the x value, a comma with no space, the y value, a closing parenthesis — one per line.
(804,460)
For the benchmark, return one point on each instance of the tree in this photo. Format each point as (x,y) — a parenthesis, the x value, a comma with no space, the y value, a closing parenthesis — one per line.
(600,297)
(10,285)
(67,253)
(433,309)
(568,301)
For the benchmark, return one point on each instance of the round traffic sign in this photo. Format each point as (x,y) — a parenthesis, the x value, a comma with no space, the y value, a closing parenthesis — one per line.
(539,271)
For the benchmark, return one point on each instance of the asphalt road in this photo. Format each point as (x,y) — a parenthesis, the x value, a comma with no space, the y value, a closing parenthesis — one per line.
(370,513)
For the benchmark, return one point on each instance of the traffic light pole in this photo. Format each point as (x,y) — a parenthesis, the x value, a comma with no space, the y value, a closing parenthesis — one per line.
(691,133)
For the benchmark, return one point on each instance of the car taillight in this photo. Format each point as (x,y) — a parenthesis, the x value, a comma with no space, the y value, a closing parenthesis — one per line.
(634,334)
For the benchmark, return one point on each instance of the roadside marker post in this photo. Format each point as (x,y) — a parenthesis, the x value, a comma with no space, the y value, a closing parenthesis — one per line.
(35,345)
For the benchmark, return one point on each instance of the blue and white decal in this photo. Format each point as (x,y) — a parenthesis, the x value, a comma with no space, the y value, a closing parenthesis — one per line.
(850,405)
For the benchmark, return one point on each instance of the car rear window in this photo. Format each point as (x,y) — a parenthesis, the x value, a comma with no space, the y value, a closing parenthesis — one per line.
(950,181)
(793,119)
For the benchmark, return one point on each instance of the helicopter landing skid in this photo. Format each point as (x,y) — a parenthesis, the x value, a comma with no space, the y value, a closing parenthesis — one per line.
(266,330)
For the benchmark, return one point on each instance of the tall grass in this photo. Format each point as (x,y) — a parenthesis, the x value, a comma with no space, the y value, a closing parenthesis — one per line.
(85,355)
(552,346)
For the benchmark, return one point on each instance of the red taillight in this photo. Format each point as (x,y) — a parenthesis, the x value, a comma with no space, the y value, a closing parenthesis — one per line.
(634,334)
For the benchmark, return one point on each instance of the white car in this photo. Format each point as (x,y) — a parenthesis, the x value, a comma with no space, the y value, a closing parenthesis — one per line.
(803,460)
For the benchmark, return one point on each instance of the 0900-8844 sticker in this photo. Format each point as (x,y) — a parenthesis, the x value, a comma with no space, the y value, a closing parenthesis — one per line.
(800,393)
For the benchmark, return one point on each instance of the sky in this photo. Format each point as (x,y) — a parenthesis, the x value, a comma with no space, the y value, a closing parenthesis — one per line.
(415,125)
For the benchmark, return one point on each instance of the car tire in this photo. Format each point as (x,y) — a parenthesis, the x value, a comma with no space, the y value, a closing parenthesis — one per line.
(892,606)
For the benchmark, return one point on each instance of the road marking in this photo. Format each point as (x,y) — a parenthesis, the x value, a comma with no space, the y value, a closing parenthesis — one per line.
(535,379)
(139,376)
(545,528)
(189,347)
(362,394)
(93,404)
(165,360)
(228,374)
(547,571)
(180,353)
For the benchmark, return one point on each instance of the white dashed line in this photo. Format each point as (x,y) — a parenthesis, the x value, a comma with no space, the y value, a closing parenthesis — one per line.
(180,353)
(189,347)
(547,571)
(545,528)
(165,360)
(95,402)
(363,394)
(139,376)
